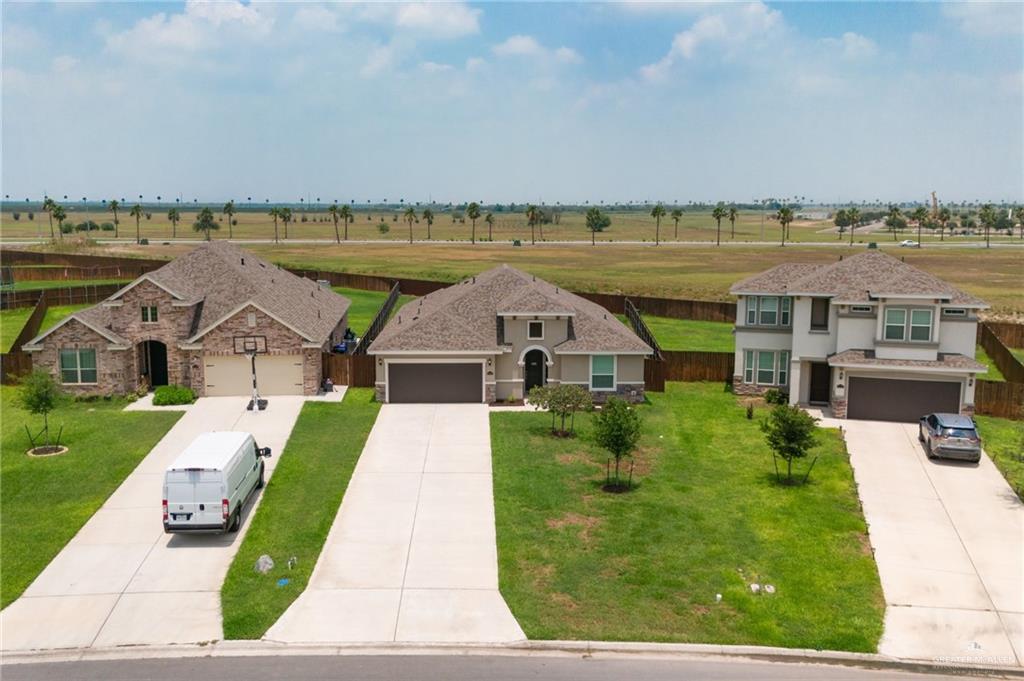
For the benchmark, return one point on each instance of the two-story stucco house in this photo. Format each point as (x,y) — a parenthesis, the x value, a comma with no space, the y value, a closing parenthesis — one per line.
(869,335)
(496,335)
(187,323)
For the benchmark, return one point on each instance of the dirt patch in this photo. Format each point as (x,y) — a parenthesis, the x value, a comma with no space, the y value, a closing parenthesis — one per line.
(865,544)
(569,459)
(564,601)
(585,522)
(701,610)
(46,450)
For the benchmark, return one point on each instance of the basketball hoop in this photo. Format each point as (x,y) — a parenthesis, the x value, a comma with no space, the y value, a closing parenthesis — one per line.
(250,346)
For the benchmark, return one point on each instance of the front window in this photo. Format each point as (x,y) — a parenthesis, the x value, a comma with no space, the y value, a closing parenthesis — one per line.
(149,313)
(783,368)
(535,330)
(602,372)
(748,366)
(895,324)
(78,365)
(766,367)
(921,325)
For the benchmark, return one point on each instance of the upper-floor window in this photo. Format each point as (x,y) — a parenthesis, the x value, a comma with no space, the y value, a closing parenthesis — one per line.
(149,314)
(535,330)
(819,314)
(77,365)
(768,310)
(954,312)
(902,324)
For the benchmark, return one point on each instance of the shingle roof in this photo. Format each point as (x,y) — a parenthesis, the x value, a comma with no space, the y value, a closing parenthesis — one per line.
(867,358)
(867,275)
(223,277)
(464,317)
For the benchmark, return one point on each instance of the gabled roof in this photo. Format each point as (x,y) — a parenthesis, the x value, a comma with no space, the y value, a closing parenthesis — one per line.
(96,318)
(464,317)
(860,278)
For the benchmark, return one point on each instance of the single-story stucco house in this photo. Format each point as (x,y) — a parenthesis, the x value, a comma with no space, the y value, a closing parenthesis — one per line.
(189,322)
(496,335)
(868,335)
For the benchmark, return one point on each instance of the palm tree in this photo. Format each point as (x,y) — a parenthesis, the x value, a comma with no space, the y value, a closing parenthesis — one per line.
(987,216)
(113,206)
(943,217)
(676,216)
(58,212)
(921,215)
(785,216)
(174,216)
(489,219)
(137,213)
(333,210)
(532,218)
(286,217)
(718,213)
(473,212)
(229,210)
(410,216)
(894,220)
(205,222)
(658,212)
(853,217)
(48,205)
(428,217)
(733,214)
(345,213)
(275,213)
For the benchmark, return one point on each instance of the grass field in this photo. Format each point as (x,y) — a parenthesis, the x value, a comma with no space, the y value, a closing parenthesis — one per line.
(365,305)
(13,321)
(993,373)
(1003,440)
(47,500)
(707,518)
(298,507)
(689,334)
(63,283)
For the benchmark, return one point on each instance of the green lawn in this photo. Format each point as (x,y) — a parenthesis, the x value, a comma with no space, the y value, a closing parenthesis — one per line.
(689,334)
(11,323)
(993,373)
(1003,440)
(1018,353)
(296,513)
(365,305)
(47,500)
(63,283)
(707,518)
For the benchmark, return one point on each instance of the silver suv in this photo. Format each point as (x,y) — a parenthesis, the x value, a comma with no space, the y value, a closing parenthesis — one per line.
(950,436)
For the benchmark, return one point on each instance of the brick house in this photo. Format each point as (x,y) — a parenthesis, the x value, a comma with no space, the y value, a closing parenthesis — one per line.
(186,324)
(869,335)
(496,335)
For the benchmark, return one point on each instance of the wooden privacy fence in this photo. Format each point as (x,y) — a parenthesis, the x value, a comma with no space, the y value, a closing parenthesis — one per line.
(17,257)
(1010,366)
(50,273)
(694,365)
(16,362)
(66,295)
(379,320)
(641,329)
(357,371)
(1011,335)
(996,398)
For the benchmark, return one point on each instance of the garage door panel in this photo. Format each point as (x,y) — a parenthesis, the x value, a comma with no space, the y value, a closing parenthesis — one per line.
(437,382)
(889,399)
(232,375)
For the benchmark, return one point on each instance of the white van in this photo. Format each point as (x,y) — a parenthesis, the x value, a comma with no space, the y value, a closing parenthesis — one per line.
(207,485)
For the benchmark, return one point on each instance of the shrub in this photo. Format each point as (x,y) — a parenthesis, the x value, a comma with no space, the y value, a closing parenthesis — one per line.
(383,227)
(617,429)
(149,216)
(107,226)
(143,241)
(31,215)
(789,432)
(563,401)
(775,396)
(16,216)
(303,219)
(167,395)
(40,394)
(67,228)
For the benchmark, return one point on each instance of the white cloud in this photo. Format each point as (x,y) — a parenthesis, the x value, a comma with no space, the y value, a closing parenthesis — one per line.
(64,63)
(201,25)
(527,46)
(380,59)
(986,18)
(852,46)
(474,64)
(434,67)
(732,24)
(426,19)
(316,18)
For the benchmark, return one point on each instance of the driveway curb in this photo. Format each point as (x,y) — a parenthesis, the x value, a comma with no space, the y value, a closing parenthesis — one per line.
(523,648)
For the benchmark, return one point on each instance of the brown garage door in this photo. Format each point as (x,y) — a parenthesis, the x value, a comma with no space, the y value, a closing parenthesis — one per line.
(886,399)
(435,383)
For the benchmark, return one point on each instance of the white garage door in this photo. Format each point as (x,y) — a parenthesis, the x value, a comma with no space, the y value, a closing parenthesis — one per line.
(232,375)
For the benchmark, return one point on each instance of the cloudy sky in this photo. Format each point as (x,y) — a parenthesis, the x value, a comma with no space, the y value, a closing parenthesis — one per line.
(513,102)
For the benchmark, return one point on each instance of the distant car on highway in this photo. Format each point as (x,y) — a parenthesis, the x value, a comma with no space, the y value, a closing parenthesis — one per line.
(950,436)
(909,243)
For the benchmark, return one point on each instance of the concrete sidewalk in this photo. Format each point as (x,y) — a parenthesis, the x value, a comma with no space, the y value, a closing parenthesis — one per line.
(949,542)
(121,580)
(412,554)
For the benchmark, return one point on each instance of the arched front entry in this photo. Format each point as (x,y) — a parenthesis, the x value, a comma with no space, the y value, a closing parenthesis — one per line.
(153,362)
(535,369)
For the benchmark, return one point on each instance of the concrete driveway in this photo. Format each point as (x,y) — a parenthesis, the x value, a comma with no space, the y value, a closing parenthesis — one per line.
(949,543)
(412,554)
(121,580)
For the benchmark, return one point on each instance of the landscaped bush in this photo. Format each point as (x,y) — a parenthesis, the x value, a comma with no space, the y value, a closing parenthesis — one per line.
(167,395)
(775,396)
(107,226)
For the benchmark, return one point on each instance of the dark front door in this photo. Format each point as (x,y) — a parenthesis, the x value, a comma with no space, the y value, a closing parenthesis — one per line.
(821,379)
(154,362)
(536,369)
(889,399)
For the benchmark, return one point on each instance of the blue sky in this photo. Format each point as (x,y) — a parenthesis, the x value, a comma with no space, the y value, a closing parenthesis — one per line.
(514,102)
